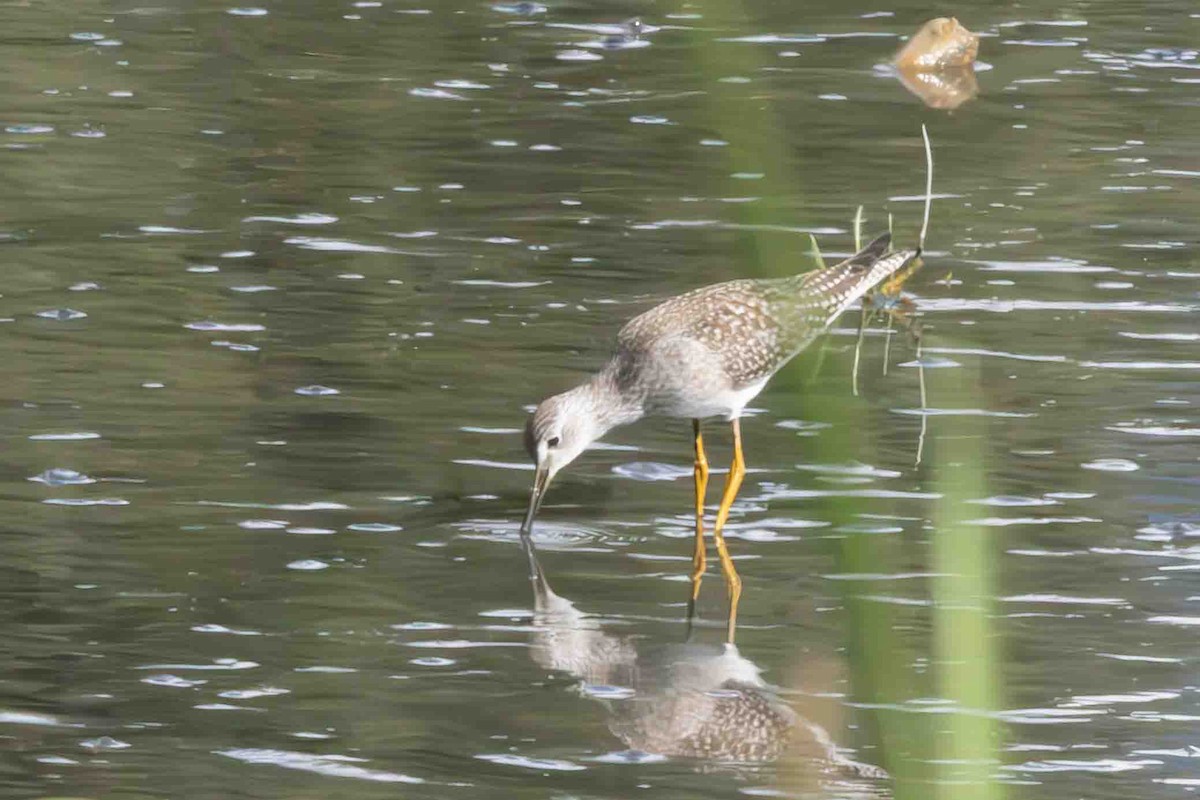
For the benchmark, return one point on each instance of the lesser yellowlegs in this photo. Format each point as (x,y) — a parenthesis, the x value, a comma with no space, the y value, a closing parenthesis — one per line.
(705,353)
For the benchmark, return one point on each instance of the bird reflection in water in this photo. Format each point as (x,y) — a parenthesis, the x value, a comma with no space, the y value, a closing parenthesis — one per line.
(692,700)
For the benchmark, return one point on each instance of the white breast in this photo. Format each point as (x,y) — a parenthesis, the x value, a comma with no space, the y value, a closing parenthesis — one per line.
(725,403)
(738,399)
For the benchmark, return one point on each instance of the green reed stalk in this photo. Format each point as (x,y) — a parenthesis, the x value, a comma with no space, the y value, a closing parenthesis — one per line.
(964,638)
(956,752)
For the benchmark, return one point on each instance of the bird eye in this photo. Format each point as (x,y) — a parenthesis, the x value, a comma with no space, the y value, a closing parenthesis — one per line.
(552,441)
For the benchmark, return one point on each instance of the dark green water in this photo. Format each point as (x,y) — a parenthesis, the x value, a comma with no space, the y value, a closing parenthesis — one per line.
(219,579)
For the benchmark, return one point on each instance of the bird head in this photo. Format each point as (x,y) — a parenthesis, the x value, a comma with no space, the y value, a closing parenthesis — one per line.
(560,429)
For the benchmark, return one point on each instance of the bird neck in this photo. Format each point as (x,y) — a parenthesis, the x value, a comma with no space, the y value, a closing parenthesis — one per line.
(611,405)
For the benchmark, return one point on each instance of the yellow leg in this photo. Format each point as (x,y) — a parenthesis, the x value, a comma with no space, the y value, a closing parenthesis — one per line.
(732,483)
(699,561)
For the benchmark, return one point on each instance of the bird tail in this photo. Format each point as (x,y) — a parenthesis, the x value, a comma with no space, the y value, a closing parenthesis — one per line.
(828,292)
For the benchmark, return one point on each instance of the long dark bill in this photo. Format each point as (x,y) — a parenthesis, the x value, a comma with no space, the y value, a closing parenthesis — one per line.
(540,480)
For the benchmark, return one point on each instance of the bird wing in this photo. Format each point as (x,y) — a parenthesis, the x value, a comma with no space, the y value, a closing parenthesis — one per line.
(755,326)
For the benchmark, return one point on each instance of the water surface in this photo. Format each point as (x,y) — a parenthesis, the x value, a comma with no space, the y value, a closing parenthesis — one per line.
(281,284)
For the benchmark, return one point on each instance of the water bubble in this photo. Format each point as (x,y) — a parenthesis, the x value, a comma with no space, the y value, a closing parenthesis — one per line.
(1013,501)
(32,718)
(104,743)
(524,8)
(248,11)
(932,362)
(513,614)
(868,528)
(214,627)
(336,245)
(173,681)
(229,327)
(308,565)
(1164,529)
(539,764)
(338,766)
(218,664)
(435,94)
(61,476)
(623,42)
(458,83)
(250,694)
(31,128)
(312,218)
(64,437)
(631,757)
(61,314)
(373,527)
(852,469)
(263,524)
(802,427)
(316,390)
(168,229)
(1111,465)
(577,55)
(651,471)
(432,661)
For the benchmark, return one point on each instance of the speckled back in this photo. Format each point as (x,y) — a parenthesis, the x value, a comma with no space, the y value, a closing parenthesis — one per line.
(756,326)
(735,320)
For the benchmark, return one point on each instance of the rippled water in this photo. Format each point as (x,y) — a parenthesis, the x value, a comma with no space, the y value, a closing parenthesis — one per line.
(281,283)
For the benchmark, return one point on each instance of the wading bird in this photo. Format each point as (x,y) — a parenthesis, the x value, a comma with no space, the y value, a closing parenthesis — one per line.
(706,353)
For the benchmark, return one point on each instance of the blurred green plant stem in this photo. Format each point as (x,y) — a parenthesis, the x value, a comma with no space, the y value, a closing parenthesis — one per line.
(952,754)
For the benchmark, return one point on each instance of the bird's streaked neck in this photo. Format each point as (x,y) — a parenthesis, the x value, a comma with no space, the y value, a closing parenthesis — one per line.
(610,406)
